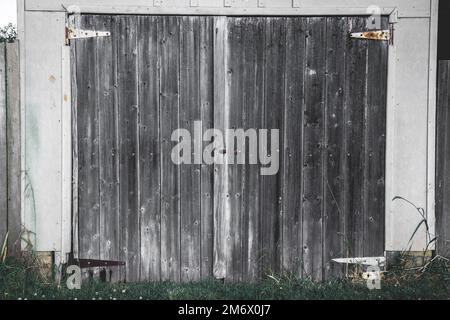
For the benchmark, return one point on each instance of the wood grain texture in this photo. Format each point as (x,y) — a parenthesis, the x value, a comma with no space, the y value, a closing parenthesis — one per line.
(253,101)
(169,33)
(129,146)
(442,156)
(190,174)
(105,53)
(293,146)
(221,109)
(207,170)
(150,146)
(375,151)
(313,171)
(88,148)
(335,156)
(271,197)
(355,118)
(236,173)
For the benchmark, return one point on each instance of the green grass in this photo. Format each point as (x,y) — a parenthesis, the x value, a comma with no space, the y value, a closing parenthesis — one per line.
(19,282)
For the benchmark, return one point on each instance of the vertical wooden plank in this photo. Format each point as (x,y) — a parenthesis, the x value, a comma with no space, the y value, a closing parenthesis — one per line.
(169,34)
(190,174)
(356,64)
(149,141)
(221,105)
(88,146)
(273,119)
(314,147)
(3,150)
(443,175)
(293,145)
(207,117)
(75,151)
(334,215)
(253,68)
(375,147)
(129,147)
(105,54)
(13,148)
(235,171)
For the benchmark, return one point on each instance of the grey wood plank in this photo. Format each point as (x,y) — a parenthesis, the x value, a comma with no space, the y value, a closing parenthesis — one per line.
(444,234)
(88,160)
(13,147)
(235,171)
(253,68)
(75,151)
(169,33)
(293,145)
(273,119)
(355,118)
(207,171)
(442,107)
(190,174)
(3,148)
(149,141)
(313,148)
(334,162)
(375,147)
(128,67)
(221,109)
(105,54)
(442,173)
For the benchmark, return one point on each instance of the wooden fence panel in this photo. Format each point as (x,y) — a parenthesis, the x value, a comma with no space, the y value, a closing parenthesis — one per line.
(10,158)
(443,160)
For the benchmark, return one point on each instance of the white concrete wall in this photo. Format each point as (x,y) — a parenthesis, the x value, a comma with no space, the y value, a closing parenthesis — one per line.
(411,106)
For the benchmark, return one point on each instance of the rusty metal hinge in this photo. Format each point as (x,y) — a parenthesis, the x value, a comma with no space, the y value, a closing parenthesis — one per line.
(73,34)
(380,35)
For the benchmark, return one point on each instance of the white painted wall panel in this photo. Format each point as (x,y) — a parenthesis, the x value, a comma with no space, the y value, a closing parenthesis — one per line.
(407,8)
(410,129)
(44,35)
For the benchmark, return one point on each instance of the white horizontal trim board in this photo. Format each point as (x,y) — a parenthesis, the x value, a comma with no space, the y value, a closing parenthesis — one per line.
(407,8)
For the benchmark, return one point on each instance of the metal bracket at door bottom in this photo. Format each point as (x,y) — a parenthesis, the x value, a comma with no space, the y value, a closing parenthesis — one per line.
(372,261)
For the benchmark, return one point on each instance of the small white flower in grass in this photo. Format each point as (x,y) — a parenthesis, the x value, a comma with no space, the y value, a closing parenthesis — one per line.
(19,299)
(75,299)
(123,291)
(140,298)
(114,299)
(35,294)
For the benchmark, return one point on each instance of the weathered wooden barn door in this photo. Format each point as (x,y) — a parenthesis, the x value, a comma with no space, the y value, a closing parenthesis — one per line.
(133,89)
(326,93)
(304,76)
